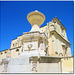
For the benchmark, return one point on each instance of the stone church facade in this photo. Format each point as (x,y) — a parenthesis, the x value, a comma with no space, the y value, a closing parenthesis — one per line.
(44,49)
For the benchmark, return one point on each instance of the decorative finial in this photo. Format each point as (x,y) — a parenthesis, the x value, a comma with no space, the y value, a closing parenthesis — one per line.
(36,10)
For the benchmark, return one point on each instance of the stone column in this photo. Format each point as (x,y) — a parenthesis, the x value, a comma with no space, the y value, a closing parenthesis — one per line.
(56,45)
(69,51)
(53,45)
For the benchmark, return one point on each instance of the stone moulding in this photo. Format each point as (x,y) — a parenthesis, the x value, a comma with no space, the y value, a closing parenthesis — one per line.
(60,36)
(45,59)
(33,36)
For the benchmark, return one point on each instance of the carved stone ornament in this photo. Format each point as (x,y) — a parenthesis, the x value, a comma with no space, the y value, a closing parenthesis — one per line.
(34,67)
(29,46)
(5,63)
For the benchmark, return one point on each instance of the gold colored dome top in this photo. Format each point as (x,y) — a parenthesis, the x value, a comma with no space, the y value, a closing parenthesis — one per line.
(36,18)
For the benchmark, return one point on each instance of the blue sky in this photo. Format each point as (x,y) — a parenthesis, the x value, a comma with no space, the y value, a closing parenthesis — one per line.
(14,22)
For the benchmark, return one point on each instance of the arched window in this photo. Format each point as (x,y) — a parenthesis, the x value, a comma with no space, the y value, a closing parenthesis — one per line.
(13,45)
(5,52)
(56,52)
(1,53)
(17,50)
(60,54)
(53,27)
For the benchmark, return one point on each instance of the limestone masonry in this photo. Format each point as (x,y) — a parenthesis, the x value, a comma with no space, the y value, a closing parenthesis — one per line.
(44,49)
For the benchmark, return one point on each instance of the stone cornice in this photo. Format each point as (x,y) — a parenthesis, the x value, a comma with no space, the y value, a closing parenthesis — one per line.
(11,48)
(59,36)
(48,59)
(45,59)
(59,22)
(34,35)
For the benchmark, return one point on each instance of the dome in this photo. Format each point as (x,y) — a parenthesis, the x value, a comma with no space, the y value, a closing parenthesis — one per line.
(36,18)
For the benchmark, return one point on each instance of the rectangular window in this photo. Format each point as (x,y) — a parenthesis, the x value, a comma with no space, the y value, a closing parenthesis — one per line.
(61,30)
(63,47)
